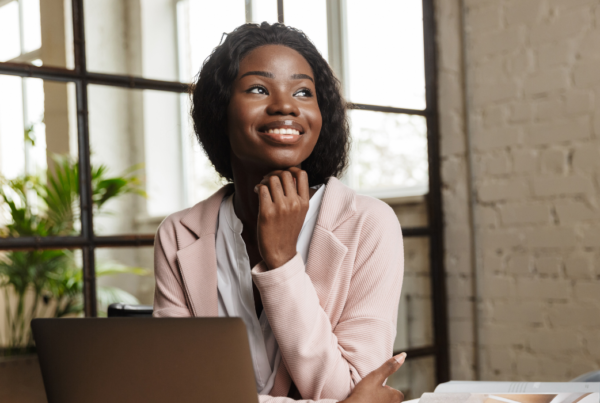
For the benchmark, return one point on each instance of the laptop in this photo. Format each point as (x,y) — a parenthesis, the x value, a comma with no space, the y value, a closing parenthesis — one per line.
(145,360)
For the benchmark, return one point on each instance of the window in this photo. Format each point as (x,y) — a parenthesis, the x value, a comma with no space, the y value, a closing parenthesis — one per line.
(103,85)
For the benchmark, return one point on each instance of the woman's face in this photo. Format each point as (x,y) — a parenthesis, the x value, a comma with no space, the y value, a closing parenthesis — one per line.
(274,119)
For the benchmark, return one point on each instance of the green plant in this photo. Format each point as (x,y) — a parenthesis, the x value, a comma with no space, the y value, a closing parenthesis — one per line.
(40,208)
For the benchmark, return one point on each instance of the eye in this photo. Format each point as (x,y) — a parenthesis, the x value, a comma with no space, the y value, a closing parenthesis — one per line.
(304,92)
(257,89)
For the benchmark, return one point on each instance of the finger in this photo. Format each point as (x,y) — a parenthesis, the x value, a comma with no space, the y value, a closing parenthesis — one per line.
(264,197)
(265,178)
(301,182)
(287,180)
(388,368)
(276,189)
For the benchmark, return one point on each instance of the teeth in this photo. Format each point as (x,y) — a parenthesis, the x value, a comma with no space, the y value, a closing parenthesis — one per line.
(283,131)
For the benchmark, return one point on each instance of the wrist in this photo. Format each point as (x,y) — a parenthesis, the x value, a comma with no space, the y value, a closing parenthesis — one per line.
(278,261)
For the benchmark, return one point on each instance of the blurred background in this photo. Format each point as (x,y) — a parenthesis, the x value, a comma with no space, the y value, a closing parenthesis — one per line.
(475,120)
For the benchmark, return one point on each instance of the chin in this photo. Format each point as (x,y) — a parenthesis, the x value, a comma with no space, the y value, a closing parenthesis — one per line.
(283,160)
(284,163)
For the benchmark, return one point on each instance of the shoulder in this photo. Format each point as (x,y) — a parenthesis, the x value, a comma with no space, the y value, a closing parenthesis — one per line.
(167,232)
(375,210)
(343,206)
(171,223)
(377,224)
(185,226)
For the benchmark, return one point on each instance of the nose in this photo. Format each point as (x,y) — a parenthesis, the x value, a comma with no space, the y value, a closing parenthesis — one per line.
(283,104)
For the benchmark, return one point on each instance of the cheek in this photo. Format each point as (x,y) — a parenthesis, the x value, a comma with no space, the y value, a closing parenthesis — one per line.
(316,123)
(239,118)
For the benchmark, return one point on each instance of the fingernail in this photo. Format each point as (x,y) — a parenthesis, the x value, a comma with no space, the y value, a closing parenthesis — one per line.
(400,358)
(256,189)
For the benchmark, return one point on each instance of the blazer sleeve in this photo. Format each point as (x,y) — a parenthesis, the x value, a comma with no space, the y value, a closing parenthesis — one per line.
(271,399)
(169,296)
(326,361)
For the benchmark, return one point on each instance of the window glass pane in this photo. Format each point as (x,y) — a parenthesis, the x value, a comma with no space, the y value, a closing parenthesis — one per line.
(10,46)
(124,275)
(157,39)
(415,322)
(385,53)
(38,33)
(38,158)
(309,16)
(264,10)
(201,26)
(132,37)
(32,29)
(200,178)
(144,139)
(415,377)
(48,282)
(389,153)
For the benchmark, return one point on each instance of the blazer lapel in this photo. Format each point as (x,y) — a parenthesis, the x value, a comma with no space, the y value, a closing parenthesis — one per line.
(197,257)
(198,265)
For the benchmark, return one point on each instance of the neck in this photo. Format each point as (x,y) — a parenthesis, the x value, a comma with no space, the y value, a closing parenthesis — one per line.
(245,200)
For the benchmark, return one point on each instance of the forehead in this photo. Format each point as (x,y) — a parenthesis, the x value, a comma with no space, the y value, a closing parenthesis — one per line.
(275,59)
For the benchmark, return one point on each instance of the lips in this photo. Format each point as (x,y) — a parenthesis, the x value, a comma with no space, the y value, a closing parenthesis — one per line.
(282,132)
(282,127)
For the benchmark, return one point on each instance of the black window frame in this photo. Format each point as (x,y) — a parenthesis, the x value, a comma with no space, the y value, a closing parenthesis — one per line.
(88,242)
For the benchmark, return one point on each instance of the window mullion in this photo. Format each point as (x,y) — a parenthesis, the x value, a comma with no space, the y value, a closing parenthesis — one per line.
(337,41)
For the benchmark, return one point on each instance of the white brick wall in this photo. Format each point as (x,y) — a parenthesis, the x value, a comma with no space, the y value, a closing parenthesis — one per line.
(533,79)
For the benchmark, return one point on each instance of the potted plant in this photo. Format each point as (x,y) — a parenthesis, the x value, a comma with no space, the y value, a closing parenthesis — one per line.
(50,282)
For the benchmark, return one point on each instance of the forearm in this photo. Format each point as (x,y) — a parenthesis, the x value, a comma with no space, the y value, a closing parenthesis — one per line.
(308,344)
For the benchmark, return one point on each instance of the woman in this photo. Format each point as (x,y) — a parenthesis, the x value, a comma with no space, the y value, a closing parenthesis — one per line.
(312,268)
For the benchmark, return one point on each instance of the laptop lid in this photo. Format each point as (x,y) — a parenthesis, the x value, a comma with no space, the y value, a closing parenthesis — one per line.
(145,360)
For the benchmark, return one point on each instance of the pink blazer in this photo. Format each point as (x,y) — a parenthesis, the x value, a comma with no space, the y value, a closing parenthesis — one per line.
(334,317)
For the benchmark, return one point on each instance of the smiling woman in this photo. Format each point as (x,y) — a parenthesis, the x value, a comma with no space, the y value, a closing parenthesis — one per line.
(275,93)
(313,269)
(217,85)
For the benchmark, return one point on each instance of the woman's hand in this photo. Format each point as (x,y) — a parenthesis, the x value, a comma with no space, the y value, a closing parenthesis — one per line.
(283,198)
(370,389)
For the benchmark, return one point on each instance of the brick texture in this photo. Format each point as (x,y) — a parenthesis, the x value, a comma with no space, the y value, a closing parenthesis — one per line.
(533,80)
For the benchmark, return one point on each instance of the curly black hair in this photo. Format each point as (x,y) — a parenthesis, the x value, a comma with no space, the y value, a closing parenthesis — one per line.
(211,93)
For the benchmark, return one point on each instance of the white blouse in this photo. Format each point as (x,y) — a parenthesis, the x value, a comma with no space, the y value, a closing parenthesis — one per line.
(234,282)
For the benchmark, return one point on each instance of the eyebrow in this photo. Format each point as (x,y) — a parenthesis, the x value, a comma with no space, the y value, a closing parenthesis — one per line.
(258,73)
(271,75)
(302,76)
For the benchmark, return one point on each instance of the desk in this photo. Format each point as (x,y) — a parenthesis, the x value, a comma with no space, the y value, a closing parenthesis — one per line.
(21,380)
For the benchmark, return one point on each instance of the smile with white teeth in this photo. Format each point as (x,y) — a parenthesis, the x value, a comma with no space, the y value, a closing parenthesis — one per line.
(283,131)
